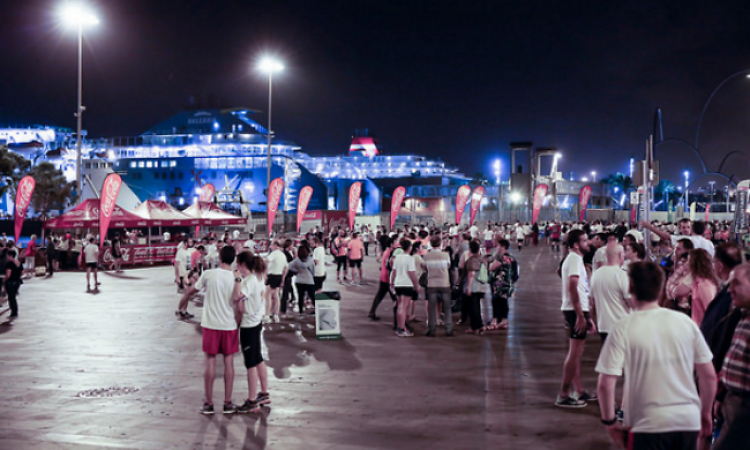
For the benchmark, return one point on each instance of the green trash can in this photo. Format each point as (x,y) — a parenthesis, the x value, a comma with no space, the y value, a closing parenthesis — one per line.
(327,315)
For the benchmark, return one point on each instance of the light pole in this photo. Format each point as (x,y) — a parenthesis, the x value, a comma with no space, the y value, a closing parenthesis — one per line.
(269,66)
(712,192)
(76,16)
(593,175)
(496,166)
(687,178)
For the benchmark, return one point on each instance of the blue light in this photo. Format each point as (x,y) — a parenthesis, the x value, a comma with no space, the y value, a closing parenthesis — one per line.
(216,125)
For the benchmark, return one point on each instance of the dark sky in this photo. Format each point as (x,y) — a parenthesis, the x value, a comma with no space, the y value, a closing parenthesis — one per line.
(458,80)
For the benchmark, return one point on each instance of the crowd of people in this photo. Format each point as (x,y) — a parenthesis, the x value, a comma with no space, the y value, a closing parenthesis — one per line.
(675,324)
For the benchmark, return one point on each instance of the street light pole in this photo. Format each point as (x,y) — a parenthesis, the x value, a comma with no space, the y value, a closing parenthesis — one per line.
(270,95)
(79,116)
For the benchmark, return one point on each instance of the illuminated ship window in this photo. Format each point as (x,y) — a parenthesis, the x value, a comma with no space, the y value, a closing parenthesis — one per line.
(132,164)
(149,164)
(172,163)
(141,164)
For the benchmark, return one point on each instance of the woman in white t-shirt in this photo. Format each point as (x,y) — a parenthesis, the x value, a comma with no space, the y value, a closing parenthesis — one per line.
(251,305)
(404,281)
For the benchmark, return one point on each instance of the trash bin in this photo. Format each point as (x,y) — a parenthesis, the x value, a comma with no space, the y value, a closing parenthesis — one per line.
(327,315)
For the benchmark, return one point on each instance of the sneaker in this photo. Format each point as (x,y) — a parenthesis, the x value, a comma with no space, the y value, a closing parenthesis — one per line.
(276,318)
(263,398)
(404,333)
(250,406)
(585,397)
(206,409)
(230,408)
(569,402)
(266,319)
(373,317)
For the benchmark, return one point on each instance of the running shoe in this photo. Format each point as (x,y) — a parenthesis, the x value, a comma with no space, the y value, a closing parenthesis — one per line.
(404,333)
(206,409)
(569,402)
(276,318)
(250,406)
(266,319)
(263,398)
(230,408)
(585,397)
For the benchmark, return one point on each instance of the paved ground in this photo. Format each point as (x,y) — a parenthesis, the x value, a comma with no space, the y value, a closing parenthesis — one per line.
(370,390)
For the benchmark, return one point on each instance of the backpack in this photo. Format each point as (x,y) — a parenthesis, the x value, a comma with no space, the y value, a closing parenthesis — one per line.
(483,276)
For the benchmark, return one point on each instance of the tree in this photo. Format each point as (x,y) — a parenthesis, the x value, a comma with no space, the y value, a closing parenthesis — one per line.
(53,191)
(13,167)
(622,182)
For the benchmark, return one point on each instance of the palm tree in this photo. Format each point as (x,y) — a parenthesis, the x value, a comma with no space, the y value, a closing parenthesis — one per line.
(621,183)
(664,192)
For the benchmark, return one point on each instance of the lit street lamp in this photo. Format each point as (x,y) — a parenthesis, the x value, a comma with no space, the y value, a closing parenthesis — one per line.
(593,176)
(687,183)
(269,66)
(77,16)
(496,166)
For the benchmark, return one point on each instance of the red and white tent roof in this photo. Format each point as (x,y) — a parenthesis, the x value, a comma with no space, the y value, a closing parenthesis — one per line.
(211,214)
(86,215)
(160,213)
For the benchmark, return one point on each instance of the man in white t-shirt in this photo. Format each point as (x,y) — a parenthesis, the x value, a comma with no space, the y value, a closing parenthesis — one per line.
(251,244)
(220,335)
(277,268)
(575,309)
(319,257)
(91,258)
(658,350)
(610,292)
(474,231)
(600,257)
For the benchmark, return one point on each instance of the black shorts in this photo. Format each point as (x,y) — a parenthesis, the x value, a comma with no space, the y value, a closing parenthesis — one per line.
(319,282)
(275,281)
(340,262)
(570,320)
(250,345)
(405,291)
(355,263)
(91,265)
(555,239)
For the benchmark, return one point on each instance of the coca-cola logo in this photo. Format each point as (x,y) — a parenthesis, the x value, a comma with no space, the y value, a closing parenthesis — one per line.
(477,197)
(110,190)
(398,197)
(462,197)
(585,195)
(541,191)
(207,193)
(354,194)
(23,197)
(277,187)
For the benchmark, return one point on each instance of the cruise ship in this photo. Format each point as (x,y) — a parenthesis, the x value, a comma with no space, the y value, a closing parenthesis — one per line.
(228,148)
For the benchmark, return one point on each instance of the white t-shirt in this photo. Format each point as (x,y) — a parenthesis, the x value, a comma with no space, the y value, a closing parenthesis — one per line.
(217,304)
(255,304)
(474,231)
(609,289)
(251,244)
(276,262)
(91,251)
(637,235)
(319,256)
(656,350)
(520,233)
(488,235)
(167,236)
(698,242)
(236,234)
(600,258)
(453,230)
(402,265)
(573,266)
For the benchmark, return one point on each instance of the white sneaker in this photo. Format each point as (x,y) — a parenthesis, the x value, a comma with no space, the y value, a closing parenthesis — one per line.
(266,319)
(276,318)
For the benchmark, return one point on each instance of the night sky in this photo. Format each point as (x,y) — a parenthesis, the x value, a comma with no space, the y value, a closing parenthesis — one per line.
(456,80)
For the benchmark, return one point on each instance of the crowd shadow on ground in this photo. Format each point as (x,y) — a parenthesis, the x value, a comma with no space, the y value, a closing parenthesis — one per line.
(295,344)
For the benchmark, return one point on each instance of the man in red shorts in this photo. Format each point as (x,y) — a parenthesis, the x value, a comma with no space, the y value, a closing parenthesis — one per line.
(220,334)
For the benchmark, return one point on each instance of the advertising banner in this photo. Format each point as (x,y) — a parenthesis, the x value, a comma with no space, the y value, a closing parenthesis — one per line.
(539,193)
(141,254)
(398,197)
(583,200)
(23,200)
(272,202)
(633,213)
(107,203)
(461,199)
(207,192)
(708,211)
(304,200)
(354,192)
(476,200)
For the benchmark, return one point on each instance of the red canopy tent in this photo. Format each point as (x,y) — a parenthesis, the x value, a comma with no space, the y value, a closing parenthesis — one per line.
(160,213)
(86,215)
(210,214)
